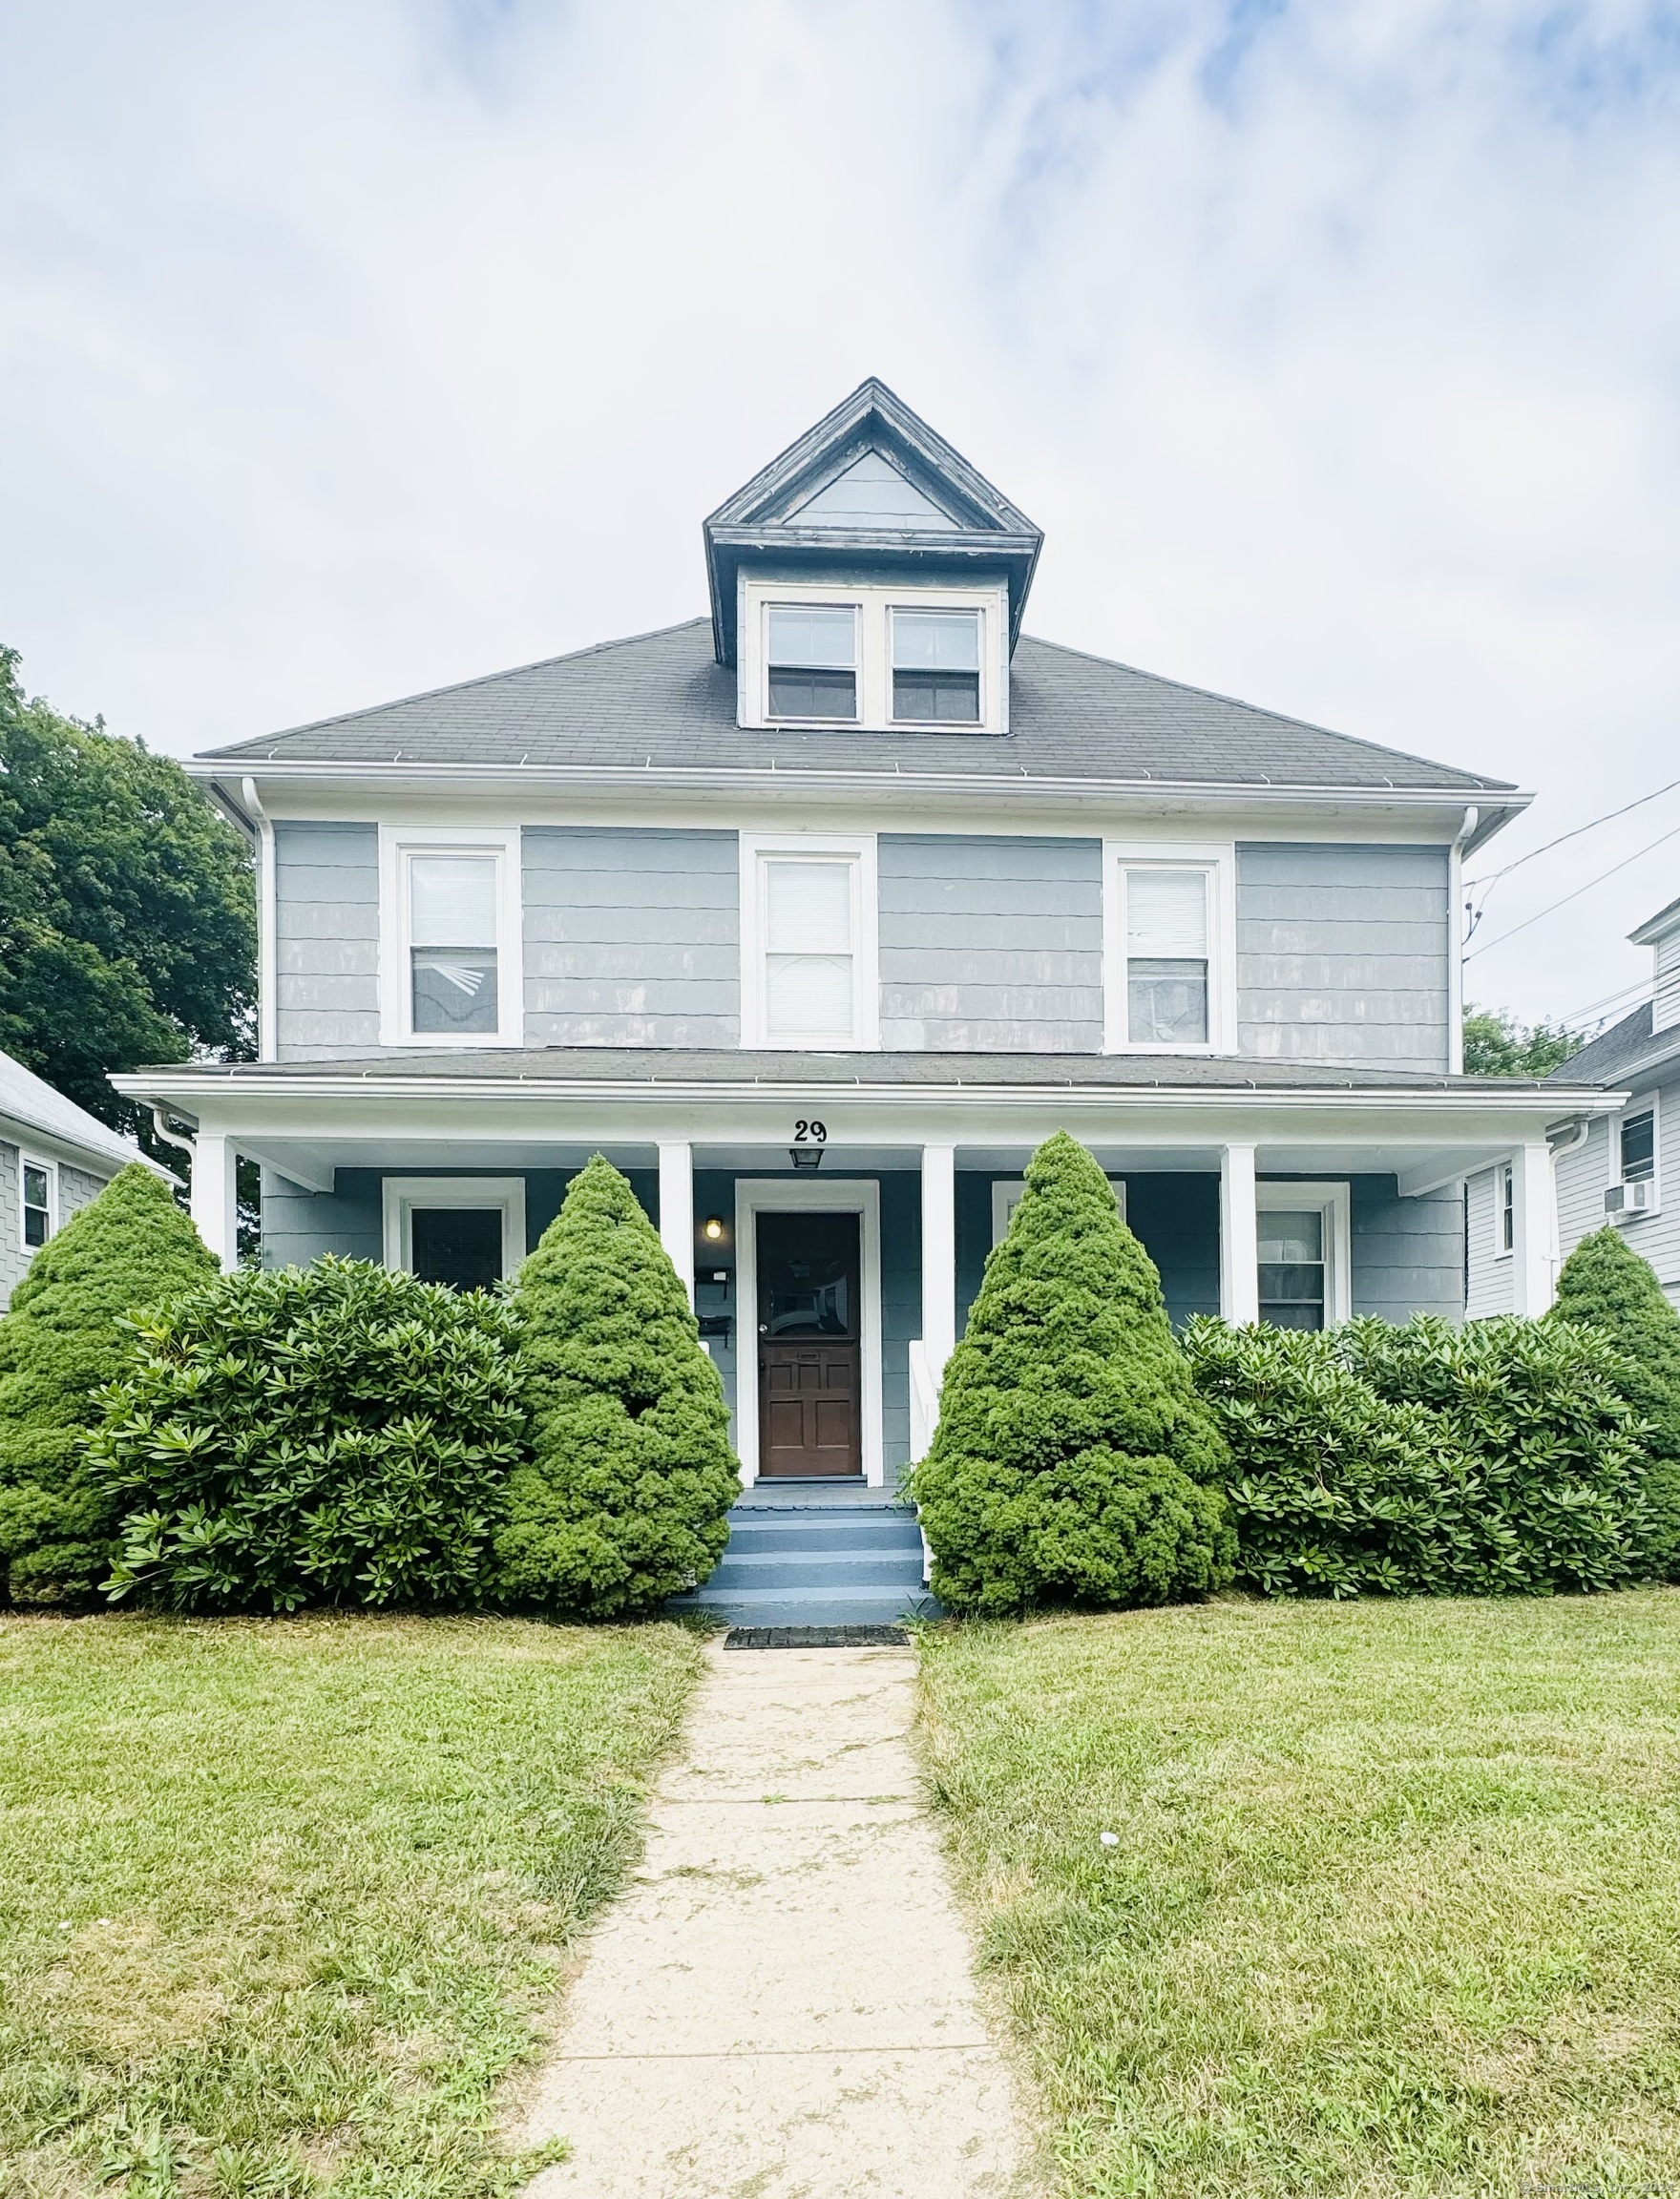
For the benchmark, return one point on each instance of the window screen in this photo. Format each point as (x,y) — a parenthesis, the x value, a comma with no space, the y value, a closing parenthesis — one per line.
(813,661)
(1639,1148)
(937,666)
(809,968)
(1291,1267)
(1167,958)
(37,1205)
(452,942)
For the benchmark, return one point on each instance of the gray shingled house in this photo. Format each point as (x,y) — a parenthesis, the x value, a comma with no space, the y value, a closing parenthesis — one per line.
(55,1158)
(817,914)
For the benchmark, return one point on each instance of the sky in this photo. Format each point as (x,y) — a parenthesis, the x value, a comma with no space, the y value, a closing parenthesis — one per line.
(350,349)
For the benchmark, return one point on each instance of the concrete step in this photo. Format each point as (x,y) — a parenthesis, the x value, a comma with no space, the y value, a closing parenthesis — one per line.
(798,1569)
(817,1607)
(819,1531)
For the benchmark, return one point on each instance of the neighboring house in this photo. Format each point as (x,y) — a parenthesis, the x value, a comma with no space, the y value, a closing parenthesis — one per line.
(817,916)
(1609,1168)
(54,1158)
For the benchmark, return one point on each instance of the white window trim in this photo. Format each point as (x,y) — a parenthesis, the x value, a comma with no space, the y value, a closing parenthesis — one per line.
(1504,1174)
(1335,1203)
(1219,859)
(400,1195)
(783,1195)
(1648,1103)
(37,1161)
(859,850)
(1006,1191)
(396,842)
(875,605)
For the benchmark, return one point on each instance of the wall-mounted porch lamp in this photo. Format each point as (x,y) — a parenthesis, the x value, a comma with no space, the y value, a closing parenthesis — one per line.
(712,1228)
(806,1155)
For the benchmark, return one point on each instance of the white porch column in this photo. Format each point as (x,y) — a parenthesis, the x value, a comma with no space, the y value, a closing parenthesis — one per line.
(214,1198)
(1532,1197)
(1239,1246)
(676,1208)
(938,1256)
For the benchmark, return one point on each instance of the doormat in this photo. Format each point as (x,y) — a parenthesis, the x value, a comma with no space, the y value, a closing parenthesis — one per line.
(814,1637)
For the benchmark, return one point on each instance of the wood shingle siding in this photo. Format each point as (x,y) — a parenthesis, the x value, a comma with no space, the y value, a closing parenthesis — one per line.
(326,940)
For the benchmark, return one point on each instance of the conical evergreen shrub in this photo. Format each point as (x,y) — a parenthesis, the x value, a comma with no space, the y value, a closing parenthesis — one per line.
(1604,1284)
(624,1500)
(1074,1460)
(131,1247)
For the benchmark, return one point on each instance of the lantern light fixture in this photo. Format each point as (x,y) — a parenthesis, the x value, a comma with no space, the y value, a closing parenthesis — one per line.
(712,1228)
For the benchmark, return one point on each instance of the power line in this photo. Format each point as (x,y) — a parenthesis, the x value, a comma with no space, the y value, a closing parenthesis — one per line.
(1493,878)
(1661,840)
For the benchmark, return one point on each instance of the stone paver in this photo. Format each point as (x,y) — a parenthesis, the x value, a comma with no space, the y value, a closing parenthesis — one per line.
(782,2006)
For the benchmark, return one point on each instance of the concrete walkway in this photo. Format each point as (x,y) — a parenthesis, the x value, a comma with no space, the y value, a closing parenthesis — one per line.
(782,2007)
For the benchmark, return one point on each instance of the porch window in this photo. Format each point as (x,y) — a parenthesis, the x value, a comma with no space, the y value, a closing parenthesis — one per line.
(1166,936)
(39,1188)
(1292,1268)
(812,653)
(1504,1224)
(810,976)
(467,1231)
(936,667)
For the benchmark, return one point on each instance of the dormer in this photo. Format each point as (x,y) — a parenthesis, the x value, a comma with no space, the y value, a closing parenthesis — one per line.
(868,580)
(1661,933)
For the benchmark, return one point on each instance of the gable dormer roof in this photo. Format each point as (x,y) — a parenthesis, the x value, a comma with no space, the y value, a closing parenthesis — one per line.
(870,485)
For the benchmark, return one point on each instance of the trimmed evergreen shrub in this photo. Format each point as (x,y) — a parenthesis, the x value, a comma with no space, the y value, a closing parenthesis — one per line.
(59,1344)
(1604,1284)
(340,1433)
(1500,1458)
(624,1497)
(1074,1460)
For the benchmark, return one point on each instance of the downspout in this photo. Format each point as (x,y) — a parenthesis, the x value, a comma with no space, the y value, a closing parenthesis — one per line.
(267,957)
(1454,944)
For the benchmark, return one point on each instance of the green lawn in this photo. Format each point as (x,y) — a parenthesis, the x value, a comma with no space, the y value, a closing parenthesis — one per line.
(1395,1905)
(284,1900)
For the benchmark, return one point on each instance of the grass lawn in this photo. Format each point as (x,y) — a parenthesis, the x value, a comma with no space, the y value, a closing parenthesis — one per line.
(282,1900)
(1395,1903)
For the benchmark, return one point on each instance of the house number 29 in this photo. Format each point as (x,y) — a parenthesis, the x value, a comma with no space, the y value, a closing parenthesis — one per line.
(810,1133)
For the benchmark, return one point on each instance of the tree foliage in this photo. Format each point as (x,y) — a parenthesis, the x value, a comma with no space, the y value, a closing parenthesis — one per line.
(1074,1460)
(61,1342)
(1496,1045)
(1604,1284)
(625,1498)
(127,908)
(336,1434)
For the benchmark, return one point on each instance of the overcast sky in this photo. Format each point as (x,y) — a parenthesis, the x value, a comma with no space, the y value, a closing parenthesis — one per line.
(353,348)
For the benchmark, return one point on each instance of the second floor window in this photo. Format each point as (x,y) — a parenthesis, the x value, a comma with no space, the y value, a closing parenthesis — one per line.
(39,1188)
(937,666)
(1167,934)
(810,974)
(452,943)
(813,661)
(1639,1148)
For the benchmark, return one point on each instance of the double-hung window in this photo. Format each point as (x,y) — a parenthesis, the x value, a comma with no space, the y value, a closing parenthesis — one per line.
(1167,956)
(1504,1209)
(936,667)
(449,925)
(1639,1148)
(38,1187)
(1302,1232)
(807,924)
(813,661)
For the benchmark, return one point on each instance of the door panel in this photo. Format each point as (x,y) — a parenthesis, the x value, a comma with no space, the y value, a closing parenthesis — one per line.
(808,1354)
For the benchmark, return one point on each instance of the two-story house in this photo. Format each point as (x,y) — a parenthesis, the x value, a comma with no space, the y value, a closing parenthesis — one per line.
(1609,1168)
(817,914)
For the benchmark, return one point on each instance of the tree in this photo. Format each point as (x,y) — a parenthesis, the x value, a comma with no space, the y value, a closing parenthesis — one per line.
(59,1345)
(1074,1460)
(127,910)
(1496,1045)
(1604,1284)
(626,1495)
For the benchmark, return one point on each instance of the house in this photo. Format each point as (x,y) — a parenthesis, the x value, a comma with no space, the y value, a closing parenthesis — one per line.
(817,914)
(1610,1166)
(54,1156)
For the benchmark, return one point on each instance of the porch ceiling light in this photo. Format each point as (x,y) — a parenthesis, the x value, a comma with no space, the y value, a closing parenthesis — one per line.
(806,1155)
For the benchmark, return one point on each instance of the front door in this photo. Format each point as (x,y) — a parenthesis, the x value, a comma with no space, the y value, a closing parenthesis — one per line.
(810,1353)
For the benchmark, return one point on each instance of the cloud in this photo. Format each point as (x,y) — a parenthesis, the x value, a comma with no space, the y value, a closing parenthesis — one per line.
(347,349)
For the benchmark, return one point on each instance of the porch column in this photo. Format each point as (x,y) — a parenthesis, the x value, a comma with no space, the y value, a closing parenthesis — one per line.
(676,1208)
(1532,1196)
(214,1198)
(938,1256)
(1239,1244)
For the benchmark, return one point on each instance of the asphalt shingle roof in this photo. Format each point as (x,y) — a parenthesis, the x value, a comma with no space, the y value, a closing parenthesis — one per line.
(662,698)
(1619,1053)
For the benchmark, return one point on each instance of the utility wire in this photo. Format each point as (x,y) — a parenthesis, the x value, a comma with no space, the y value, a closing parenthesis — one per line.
(1494,876)
(1662,838)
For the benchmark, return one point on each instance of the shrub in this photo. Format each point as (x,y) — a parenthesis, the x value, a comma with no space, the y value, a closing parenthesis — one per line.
(335,1434)
(624,1498)
(1604,1284)
(1495,1459)
(1073,1458)
(60,1343)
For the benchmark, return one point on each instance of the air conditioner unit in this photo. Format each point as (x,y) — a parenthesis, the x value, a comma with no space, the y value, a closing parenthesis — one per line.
(1631,1198)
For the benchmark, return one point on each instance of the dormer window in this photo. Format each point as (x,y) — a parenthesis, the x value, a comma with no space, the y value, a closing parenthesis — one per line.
(936,667)
(813,651)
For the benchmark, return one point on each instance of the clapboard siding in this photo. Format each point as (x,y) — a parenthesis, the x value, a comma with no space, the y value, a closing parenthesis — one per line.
(1342,953)
(990,942)
(1490,1271)
(326,939)
(1584,1174)
(632,938)
(1407,1254)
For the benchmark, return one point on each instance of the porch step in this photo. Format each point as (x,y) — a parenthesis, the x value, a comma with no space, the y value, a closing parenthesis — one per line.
(837,1563)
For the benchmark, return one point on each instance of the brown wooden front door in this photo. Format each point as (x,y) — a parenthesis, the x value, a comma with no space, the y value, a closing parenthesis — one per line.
(810,1355)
